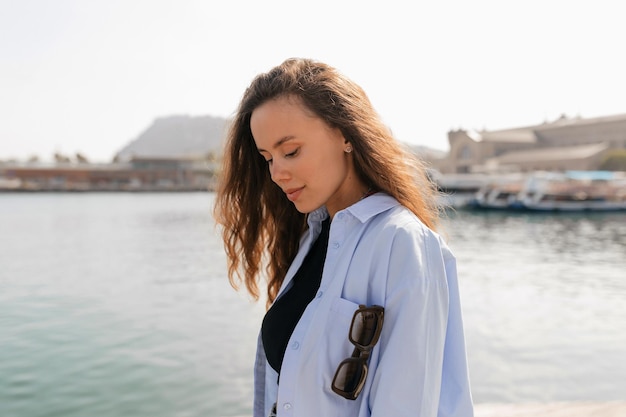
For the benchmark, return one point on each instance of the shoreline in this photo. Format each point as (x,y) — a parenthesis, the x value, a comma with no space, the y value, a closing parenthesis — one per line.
(552,409)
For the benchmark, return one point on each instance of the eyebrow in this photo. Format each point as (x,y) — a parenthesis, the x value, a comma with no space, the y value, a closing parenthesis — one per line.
(279,142)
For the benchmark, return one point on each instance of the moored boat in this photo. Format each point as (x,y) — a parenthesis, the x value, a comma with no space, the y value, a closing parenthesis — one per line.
(537,191)
(458,190)
(574,191)
(499,193)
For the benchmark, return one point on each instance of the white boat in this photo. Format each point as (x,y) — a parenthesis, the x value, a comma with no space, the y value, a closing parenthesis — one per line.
(536,191)
(499,193)
(458,190)
(574,191)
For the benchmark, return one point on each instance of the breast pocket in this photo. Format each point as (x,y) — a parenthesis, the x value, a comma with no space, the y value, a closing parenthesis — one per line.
(335,345)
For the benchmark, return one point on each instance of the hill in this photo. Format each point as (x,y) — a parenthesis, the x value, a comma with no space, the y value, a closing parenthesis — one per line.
(177,136)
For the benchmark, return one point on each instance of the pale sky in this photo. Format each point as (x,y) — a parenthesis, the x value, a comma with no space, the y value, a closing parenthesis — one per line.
(90,75)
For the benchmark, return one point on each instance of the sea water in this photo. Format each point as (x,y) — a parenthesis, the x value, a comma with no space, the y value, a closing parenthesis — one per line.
(118,304)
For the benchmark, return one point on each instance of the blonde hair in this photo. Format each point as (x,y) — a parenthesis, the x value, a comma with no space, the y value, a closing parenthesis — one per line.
(261,229)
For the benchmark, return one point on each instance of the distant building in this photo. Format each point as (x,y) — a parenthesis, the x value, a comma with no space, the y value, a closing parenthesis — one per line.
(138,174)
(561,145)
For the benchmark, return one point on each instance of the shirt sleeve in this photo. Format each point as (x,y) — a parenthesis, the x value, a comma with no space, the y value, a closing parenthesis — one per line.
(413,366)
(259,408)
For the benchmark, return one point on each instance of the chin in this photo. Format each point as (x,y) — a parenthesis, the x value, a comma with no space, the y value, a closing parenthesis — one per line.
(305,208)
(301,209)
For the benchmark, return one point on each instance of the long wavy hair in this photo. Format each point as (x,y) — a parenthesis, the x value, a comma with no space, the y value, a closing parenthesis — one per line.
(261,228)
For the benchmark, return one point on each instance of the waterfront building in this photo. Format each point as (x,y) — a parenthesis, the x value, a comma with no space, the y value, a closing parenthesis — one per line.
(561,145)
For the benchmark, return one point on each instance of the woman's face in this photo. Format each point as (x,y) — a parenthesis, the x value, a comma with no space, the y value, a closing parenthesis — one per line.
(306,158)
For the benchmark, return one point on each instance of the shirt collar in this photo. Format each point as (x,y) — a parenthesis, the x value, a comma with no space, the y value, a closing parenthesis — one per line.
(362,210)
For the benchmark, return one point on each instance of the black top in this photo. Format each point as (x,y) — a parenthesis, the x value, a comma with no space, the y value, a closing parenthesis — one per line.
(282,317)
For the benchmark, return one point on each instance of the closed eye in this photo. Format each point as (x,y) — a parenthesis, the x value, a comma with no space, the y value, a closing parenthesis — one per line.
(292,154)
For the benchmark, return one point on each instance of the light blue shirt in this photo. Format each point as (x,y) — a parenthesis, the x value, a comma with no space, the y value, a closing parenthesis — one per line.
(378,253)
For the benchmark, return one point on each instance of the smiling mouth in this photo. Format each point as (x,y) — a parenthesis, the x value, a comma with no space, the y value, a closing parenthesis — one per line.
(293,194)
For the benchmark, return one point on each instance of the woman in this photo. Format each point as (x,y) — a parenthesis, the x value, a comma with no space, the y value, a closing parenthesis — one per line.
(318,199)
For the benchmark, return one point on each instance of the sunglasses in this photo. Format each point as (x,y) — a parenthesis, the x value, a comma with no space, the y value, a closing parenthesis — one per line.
(365,329)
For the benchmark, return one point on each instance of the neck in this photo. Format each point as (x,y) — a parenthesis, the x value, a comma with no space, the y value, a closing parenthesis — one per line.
(357,193)
(367,193)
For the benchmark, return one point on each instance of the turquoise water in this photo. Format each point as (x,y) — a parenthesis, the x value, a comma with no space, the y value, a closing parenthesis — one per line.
(117,304)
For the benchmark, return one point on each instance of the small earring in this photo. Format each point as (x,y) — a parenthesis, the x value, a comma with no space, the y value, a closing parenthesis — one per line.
(348,149)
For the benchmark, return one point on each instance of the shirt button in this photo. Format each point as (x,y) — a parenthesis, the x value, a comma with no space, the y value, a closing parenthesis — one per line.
(287,406)
(320,293)
(341,215)
(335,245)
(295,345)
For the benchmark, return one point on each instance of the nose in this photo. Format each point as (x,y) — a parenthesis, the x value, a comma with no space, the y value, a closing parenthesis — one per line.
(278,171)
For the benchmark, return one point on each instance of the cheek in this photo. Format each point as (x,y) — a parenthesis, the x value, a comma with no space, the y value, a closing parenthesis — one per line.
(326,164)
(339,162)
(333,170)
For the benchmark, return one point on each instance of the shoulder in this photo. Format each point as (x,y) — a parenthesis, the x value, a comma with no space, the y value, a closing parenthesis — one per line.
(394,230)
(408,246)
(407,228)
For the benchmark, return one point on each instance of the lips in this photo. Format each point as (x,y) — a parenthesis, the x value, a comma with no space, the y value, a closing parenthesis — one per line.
(293,193)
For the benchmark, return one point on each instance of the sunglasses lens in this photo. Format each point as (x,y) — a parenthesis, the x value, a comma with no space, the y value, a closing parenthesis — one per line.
(349,377)
(364,327)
